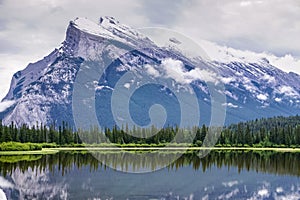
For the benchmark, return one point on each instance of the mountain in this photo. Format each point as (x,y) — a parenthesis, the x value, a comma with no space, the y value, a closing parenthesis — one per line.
(111,73)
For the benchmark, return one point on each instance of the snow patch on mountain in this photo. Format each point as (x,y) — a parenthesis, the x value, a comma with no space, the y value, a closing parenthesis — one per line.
(287,91)
(109,28)
(90,27)
(269,79)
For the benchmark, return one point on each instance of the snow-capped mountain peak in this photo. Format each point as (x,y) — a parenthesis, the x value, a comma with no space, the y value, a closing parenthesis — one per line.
(88,26)
(114,26)
(109,28)
(43,91)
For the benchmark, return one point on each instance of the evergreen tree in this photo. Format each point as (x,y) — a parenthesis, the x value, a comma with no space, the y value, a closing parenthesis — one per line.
(240,134)
(1,131)
(6,135)
(248,136)
(297,135)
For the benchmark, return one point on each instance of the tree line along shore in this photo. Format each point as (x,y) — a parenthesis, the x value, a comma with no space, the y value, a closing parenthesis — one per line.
(276,132)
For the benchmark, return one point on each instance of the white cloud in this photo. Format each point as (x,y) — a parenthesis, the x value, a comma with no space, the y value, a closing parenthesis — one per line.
(286,63)
(175,69)
(245,3)
(151,70)
(278,99)
(5,104)
(262,97)
(234,25)
(226,54)
(204,75)
(230,105)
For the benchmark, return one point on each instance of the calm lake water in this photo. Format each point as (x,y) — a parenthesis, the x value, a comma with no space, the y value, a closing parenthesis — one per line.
(219,175)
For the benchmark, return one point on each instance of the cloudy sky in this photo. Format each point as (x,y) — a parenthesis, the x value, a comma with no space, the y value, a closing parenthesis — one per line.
(31,29)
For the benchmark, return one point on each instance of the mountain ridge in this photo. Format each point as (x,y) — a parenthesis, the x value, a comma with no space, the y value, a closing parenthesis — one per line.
(42,92)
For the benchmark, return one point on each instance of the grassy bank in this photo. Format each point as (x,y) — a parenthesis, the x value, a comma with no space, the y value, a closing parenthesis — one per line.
(16,148)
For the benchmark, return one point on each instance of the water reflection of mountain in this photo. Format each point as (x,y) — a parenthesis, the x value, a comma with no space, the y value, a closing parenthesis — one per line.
(32,183)
(283,163)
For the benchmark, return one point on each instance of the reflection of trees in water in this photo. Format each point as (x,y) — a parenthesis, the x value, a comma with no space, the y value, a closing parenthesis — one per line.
(260,161)
(138,162)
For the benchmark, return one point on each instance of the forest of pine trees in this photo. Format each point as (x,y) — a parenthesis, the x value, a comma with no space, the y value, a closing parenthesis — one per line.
(276,131)
(39,134)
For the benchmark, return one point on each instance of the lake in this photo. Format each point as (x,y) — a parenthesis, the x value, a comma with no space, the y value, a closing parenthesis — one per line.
(218,175)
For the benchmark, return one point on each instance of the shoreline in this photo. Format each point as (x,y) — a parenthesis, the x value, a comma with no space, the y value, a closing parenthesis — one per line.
(92,149)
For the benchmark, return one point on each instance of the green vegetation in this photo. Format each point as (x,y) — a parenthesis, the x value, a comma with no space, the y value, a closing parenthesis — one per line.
(17,146)
(39,134)
(276,132)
